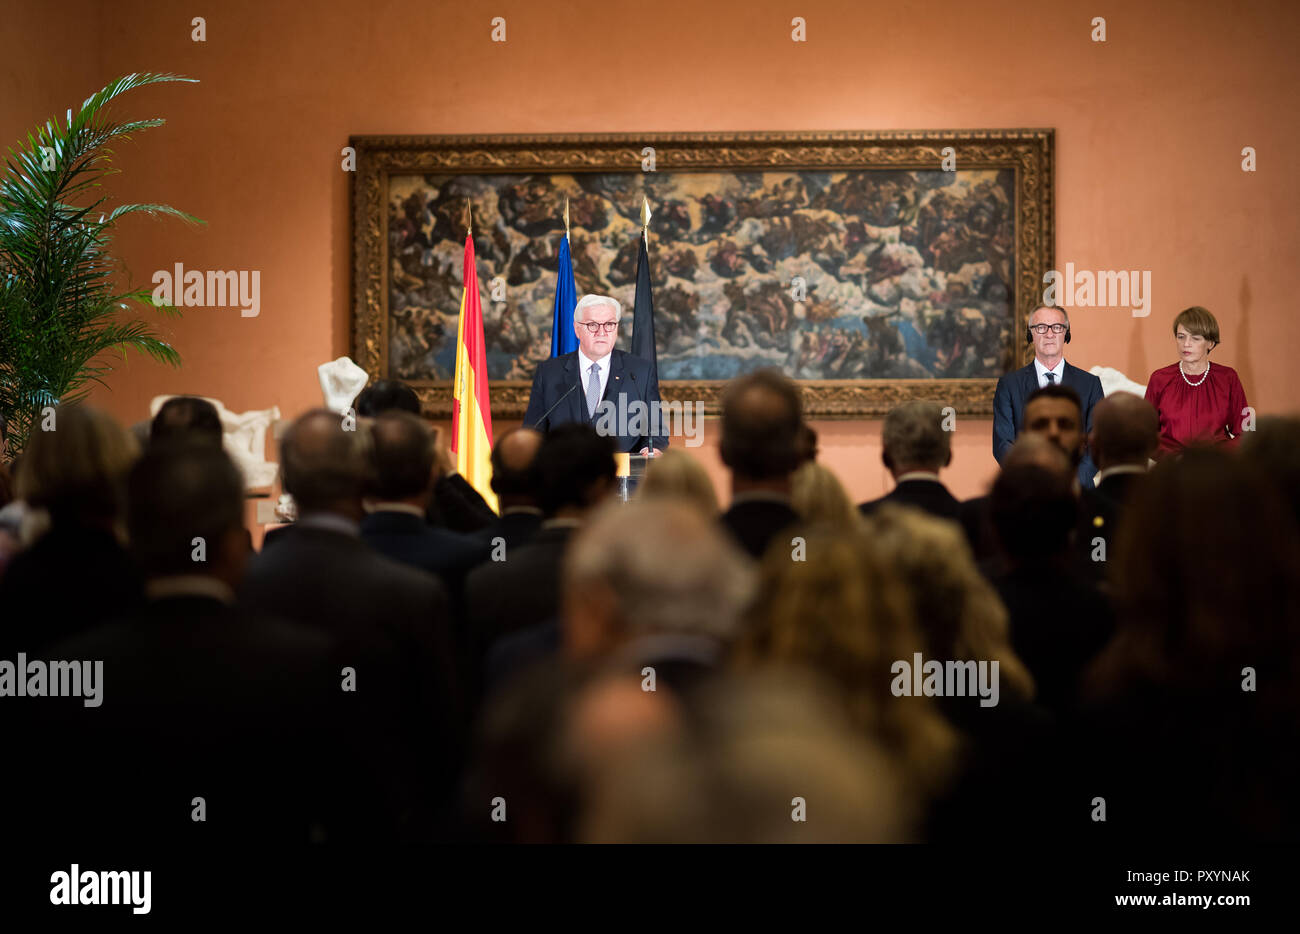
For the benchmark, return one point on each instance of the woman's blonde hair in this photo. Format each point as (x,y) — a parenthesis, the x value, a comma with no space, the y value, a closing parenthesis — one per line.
(959,614)
(837,610)
(819,497)
(676,475)
(76,466)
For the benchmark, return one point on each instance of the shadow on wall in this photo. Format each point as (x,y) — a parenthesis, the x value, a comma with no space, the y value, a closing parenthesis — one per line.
(1138,369)
(1245,371)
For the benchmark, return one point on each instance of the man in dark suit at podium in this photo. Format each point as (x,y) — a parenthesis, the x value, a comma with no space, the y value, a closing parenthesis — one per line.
(598,385)
(1049,332)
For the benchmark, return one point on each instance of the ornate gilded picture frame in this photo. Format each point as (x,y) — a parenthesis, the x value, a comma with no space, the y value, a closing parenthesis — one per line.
(873,267)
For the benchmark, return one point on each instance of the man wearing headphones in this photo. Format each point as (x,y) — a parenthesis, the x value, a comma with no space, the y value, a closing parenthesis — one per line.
(1049,332)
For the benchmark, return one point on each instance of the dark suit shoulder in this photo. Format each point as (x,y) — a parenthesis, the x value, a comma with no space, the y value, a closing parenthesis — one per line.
(871,505)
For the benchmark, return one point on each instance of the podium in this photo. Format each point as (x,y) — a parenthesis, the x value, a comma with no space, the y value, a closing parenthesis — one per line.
(630,468)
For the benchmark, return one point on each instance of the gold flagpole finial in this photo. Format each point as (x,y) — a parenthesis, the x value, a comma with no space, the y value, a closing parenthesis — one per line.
(566,215)
(469,218)
(645,219)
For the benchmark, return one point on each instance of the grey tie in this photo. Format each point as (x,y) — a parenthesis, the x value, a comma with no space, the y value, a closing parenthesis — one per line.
(593,390)
(1051,378)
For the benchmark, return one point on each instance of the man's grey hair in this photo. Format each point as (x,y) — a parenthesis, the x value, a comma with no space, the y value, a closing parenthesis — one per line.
(913,436)
(1030,320)
(671,569)
(591,300)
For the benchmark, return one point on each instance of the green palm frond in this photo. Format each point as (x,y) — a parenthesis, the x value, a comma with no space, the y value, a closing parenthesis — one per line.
(62,319)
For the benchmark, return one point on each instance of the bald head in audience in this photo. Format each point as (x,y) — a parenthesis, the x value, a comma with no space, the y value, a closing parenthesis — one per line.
(1125,431)
(402,458)
(1039,451)
(324,465)
(514,479)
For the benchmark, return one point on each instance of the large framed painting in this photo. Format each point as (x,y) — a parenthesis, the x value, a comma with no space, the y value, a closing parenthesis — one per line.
(872,267)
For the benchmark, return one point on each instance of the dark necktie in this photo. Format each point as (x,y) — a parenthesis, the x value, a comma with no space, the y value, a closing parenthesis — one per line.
(1051,379)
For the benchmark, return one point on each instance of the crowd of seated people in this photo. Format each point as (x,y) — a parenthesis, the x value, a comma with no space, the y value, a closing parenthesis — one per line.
(403,663)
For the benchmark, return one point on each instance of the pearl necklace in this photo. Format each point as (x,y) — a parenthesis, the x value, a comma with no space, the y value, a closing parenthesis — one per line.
(1203,375)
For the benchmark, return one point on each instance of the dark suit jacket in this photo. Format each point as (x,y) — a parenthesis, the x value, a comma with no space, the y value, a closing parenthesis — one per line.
(1100,512)
(69,579)
(631,380)
(1059,622)
(454,504)
(394,620)
(199,699)
(976,517)
(409,539)
(1009,409)
(516,528)
(754,523)
(503,597)
(929,496)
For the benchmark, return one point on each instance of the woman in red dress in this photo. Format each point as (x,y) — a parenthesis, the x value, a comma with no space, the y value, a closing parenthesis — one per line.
(1197,402)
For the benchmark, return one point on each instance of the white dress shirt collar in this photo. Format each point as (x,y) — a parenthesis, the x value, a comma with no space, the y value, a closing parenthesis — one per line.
(330,521)
(385,506)
(584,367)
(917,475)
(189,585)
(1119,469)
(1041,372)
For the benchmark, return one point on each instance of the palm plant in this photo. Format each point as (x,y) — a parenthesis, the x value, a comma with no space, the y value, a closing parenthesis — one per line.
(60,311)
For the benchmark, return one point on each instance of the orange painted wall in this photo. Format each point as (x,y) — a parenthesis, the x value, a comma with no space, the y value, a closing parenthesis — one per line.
(1150,127)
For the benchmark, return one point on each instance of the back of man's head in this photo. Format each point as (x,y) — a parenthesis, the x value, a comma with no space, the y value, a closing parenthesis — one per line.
(761,419)
(514,467)
(1033,511)
(186,418)
(913,438)
(1037,450)
(185,511)
(401,455)
(1125,430)
(384,396)
(575,468)
(324,465)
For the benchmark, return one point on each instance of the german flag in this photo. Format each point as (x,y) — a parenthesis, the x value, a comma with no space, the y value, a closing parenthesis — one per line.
(471,413)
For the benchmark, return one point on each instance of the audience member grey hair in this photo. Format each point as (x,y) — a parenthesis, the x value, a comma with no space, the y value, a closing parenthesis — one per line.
(667,568)
(913,438)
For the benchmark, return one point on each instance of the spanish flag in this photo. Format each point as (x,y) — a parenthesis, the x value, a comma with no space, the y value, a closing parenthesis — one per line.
(471,412)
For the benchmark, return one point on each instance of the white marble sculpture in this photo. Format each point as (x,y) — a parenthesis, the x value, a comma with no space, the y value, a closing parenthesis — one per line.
(341,381)
(244,438)
(1112,380)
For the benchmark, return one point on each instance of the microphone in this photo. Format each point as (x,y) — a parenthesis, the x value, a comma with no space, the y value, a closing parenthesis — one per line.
(554,407)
